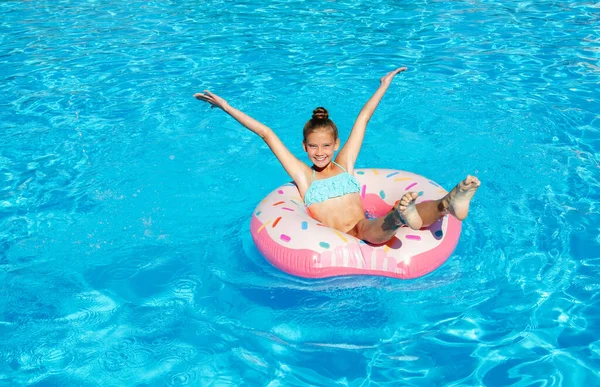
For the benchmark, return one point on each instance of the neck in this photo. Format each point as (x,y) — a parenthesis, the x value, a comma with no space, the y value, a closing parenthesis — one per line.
(328,167)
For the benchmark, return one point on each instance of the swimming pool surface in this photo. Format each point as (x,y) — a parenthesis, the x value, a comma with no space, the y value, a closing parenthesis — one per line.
(125,253)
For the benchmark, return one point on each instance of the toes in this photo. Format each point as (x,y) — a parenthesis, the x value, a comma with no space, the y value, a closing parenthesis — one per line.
(470,182)
(474,183)
(407,199)
(410,197)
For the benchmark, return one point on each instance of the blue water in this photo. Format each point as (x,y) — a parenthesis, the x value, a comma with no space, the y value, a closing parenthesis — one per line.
(125,254)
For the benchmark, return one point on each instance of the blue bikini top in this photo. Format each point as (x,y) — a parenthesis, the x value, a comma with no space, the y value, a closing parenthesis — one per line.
(331,187)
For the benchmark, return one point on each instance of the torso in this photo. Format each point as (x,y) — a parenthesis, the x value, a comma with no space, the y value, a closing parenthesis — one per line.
(342,212)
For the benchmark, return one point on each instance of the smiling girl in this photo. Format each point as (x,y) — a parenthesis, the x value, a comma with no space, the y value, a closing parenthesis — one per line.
(328,187)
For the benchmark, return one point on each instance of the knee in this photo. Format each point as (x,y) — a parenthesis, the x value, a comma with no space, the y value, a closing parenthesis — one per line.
(379,239)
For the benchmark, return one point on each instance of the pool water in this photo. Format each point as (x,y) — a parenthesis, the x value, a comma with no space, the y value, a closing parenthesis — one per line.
(125,253)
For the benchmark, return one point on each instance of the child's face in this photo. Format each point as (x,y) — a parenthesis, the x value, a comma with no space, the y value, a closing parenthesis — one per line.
(320,146)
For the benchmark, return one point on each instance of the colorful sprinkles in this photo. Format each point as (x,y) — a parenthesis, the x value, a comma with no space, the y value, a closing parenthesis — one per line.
(410,186)
(340,235)
(287,209)
(324,245)
(263,226)
(392,174)
(278,203)
(413,237)
(285,238)
(382,194)
(276,221)
(304,225)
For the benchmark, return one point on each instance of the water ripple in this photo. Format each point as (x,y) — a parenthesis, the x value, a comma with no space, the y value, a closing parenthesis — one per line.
(182,379)
(125,254)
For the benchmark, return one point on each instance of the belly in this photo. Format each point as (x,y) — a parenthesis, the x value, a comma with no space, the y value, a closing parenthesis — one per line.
(341,213)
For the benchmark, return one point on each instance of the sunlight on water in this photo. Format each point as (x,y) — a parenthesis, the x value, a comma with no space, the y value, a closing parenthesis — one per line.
(125,251)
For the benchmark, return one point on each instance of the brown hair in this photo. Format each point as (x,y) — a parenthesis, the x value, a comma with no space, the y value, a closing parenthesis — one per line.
(320,120)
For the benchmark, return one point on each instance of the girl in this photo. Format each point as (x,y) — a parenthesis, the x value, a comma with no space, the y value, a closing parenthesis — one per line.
(329,189)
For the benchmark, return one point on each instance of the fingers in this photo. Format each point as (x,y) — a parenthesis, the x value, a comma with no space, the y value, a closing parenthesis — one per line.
(389,76)
(207,95)
(398,70)
(204,98)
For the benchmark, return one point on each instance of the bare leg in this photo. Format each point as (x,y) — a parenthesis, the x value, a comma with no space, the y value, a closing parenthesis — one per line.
(431,211)
(456,202)
(382,229)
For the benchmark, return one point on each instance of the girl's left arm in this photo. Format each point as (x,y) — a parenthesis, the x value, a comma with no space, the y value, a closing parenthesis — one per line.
(349,152)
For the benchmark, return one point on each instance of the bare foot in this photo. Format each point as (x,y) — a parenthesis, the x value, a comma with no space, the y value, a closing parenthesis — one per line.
(458,200)
(406,210)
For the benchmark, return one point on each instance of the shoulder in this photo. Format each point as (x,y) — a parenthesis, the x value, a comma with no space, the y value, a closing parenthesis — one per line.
(303,179)
(345,165)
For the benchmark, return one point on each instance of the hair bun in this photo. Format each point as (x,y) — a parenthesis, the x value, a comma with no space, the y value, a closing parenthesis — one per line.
(320,113)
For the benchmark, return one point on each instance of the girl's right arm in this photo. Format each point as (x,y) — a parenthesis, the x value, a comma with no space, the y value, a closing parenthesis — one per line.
(297,170)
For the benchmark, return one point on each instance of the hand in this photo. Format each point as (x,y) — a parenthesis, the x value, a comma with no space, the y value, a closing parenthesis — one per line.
(387,78)
(213,99)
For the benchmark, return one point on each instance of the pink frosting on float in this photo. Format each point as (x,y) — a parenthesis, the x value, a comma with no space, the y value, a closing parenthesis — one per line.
(363,259)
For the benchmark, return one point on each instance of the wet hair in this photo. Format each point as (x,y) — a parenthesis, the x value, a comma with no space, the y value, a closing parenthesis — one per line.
(320,121)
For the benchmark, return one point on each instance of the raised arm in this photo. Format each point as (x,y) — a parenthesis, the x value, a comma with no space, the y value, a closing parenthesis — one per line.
(349,153)
(297,170)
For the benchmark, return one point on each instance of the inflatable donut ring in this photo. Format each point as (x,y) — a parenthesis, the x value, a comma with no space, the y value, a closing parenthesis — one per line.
(297,244)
